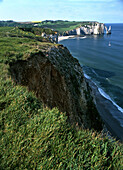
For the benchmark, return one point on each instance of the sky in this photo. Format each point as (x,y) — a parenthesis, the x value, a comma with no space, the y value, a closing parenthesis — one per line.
(106,11)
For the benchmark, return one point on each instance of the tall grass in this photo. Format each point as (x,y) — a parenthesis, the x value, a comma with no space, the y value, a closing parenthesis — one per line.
(34,137)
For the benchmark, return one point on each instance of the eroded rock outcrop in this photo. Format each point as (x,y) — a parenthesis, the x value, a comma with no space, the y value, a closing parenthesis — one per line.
(57,80)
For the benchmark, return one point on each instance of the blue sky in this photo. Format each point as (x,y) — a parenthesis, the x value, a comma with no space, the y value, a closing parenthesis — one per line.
(107,11)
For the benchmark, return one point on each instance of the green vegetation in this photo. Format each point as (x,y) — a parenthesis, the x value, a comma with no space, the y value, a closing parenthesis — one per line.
(9,23)
(34,137)
(38,31)
(58,25)
(18,44)
(34,33)
(62,26)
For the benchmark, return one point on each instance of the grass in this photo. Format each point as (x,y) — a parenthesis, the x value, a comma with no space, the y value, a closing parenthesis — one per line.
(34,33)
(34,137)
(62,26)
(18,47)
(59,25)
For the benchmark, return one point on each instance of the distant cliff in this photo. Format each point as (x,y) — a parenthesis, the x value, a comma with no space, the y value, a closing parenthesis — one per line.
(93,28)
(57,80)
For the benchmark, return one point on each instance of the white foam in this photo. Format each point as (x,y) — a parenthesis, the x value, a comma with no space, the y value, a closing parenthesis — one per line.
(82,37)
(86,76)
(109,98)
(108,79)
(118,117)
(104,94)
(94,72)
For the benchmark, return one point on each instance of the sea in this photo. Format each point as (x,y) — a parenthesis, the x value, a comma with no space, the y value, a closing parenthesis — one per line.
(101,57)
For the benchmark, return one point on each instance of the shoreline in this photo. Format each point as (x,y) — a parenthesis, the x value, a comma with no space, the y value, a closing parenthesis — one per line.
(109,111)
(61,38)
(106,110)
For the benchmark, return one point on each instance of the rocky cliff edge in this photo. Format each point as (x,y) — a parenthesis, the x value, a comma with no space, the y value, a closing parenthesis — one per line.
(57,80)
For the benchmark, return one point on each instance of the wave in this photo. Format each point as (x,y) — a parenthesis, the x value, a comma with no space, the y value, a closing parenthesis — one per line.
(105,95)
(118,116)
(86,76)
(82,37)
(108,97)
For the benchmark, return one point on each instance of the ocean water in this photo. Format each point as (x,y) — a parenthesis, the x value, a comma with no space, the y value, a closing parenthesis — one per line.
(101,57)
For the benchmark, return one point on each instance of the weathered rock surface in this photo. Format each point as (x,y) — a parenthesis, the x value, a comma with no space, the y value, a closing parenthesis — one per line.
(57,80)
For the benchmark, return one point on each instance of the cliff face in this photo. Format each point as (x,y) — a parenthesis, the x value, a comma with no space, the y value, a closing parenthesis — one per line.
(57,80)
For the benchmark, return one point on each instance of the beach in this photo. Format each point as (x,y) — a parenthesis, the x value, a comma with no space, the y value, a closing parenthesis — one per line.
(60,38)
(103,66)
(106,110)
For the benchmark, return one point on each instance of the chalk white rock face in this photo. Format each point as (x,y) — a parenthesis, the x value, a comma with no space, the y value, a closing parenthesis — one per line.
(78,31)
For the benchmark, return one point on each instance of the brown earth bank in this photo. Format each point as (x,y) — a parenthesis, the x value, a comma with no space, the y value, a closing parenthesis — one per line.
(57,79)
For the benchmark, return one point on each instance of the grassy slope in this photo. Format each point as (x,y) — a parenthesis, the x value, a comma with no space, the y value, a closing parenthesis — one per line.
(61,26)
(16,32)
(35,137)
